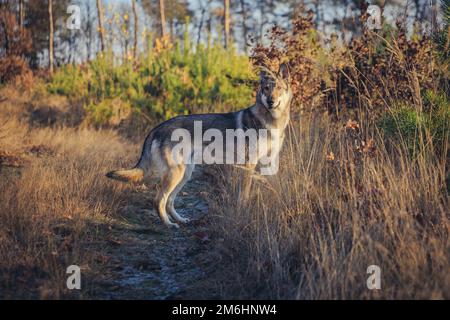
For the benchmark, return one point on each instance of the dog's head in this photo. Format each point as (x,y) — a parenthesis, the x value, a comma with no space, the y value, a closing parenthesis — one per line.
(275,92)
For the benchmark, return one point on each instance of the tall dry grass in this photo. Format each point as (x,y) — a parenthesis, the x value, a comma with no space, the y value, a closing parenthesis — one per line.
(52,208)
(333,209)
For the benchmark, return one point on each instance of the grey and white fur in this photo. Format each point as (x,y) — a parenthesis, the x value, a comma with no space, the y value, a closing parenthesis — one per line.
(270,111)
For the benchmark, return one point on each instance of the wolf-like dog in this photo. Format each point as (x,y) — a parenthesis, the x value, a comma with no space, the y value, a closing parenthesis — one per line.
(271,111)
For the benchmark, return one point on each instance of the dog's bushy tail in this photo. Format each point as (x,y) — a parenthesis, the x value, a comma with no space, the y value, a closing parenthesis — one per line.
(130,175)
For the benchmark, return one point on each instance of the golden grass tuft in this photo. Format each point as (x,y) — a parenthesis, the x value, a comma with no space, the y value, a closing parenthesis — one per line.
(52,208)
(311,231)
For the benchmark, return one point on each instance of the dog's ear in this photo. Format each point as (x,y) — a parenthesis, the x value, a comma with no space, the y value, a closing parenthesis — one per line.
(284,71)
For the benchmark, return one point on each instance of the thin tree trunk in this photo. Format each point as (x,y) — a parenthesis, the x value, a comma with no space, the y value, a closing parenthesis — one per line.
(21,14)
(209,21)
(244,24)
(100,24)
(51,35)
(316,11)
(88,32)
(262,22)
(135,44)
(199,33)
(226,19)
(163,18)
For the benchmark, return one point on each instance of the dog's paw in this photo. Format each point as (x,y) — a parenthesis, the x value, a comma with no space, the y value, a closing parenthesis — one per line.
(172,224)
(184,220)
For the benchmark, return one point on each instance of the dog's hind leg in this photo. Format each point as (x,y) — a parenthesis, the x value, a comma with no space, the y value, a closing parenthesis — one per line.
(170,204)
(170,180)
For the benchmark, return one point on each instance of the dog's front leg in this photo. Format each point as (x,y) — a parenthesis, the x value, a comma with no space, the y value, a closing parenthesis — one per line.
(246,181)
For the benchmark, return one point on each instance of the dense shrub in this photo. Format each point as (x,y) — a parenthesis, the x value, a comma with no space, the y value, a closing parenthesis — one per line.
(385,68)
(406,124)
(170,79)
(371,73)
(16,43)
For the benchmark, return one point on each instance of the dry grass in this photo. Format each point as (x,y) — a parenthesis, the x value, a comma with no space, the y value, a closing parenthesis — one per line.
(53,206)
(311,231)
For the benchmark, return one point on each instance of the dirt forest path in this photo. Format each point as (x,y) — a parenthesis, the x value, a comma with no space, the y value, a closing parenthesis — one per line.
(147,260)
